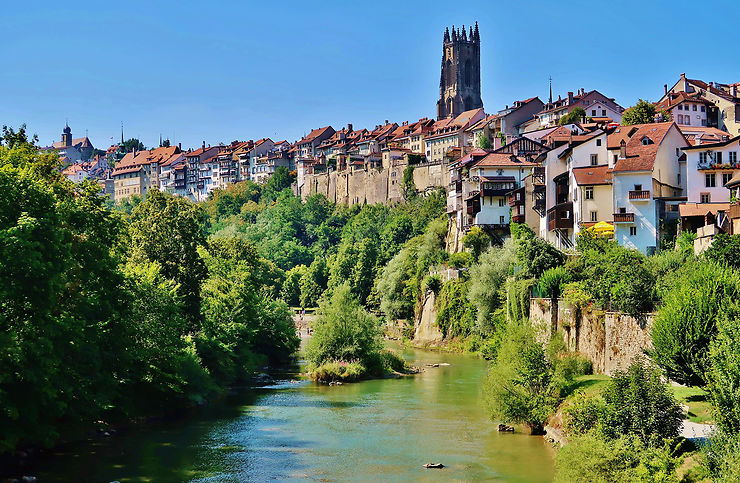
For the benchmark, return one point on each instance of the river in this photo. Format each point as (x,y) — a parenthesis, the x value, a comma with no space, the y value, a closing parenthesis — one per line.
(381,430)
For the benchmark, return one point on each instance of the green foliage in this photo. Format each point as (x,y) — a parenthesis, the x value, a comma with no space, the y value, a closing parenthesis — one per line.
(687,320)
(520,387)
(433,283)
(641,113)
(518,293)
(168,230)
(338,371)
(408,187)
(344,331)
(722,457)
(552,281)
(576,294)
(487,280)
(132,144)
(460,260)
(725,249)
(279,181)
(455,315)
(313,283)
(583,413)
(577,115)
(685,241)
(724,373)
(484,142)
(477,241)
(638,402)
(534,254)
(291,290)
(17,139)
(590,458)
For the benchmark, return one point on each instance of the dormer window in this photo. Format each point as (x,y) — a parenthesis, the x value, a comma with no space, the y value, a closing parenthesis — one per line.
(646,140)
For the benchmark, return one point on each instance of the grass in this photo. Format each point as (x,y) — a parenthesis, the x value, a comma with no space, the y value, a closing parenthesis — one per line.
(700,409)
(591,384)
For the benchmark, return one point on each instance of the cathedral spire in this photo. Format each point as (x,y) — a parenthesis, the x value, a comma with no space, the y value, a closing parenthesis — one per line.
(477,34)
(447,34)
(550,90)
(464,34)
(454,34)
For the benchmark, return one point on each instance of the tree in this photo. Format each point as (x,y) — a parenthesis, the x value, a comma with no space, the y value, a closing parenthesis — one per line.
(484,142)
(12,138)
(641,113)
(476,240)
(291,290)
(534,254)
(487,280)
(280,180)
(576,115)
(638,402)
(313,283)
(169,230)
(725,249)
(520,387)
(344,331)
(408,187)
(724,373)
(686,323)
(132,144)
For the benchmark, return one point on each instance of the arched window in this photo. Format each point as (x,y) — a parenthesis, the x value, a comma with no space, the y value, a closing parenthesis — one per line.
(449,106)
(468,80)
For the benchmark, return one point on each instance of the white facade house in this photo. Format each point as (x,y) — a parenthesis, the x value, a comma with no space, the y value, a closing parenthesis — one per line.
(646,182)
(498,174)
(711,166)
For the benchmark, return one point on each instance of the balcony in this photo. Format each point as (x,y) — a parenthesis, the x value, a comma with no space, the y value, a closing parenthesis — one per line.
(517,218)
(639,195)
(624,217)
(560,216)
(514,201)
(735,210)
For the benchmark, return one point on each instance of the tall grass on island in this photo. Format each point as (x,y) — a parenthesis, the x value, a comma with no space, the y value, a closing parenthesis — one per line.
(347,342)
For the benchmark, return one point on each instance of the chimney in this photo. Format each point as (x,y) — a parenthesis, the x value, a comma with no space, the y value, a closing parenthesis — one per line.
(665,89)
(622,149)
(570,98)
(349,127)
(204,145)
(179,146)
(386,121)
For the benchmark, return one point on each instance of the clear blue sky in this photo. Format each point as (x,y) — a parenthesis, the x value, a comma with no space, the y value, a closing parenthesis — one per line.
(219,71)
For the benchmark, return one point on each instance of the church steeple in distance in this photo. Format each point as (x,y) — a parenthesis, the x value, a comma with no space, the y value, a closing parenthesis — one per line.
(459,84)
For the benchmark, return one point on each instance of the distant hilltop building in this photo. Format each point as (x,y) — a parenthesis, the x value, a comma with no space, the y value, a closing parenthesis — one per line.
(459,83)
(73,150)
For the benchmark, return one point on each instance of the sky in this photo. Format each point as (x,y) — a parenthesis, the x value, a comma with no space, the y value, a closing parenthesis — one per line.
(220,71)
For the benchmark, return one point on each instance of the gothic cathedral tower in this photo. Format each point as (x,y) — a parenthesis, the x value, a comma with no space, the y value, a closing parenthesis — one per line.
(459,85)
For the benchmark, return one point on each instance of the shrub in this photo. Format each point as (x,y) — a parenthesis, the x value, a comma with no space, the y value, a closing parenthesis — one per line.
(593,459)
(552,281)
(455,314)
(519,387)
(392,362)
(722,457)
(576,294)
(687,320)
(338,371)
(725,249)
(517,298)
(343,331)
(460,259)
(534,254)
(582,414)
(487,280)
(638,402)
(433,283)
(476,240)
(724,373)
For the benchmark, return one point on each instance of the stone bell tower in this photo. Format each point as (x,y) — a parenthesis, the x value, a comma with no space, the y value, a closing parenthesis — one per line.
(459,84)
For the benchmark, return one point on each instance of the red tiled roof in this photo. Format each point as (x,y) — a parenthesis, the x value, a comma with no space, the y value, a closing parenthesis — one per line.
(503,160)
(641,157)
(593,175)
(314,134)
(701,209)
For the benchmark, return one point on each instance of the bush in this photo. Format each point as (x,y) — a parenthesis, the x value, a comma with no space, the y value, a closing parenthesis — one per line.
(460,259)
(433,283)
(338,371)
(687,320)
(725,249)
(576,294)
(455,314)
(519,387)
(343,331)
(535,255)
(593,459)
(722,457)
(724,373)
(476,240)
(487,280)
(638,402)
(582,414)
(552,281)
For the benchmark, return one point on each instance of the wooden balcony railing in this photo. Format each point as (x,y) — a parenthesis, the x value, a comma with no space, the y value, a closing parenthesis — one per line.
(624,217)
(639,195)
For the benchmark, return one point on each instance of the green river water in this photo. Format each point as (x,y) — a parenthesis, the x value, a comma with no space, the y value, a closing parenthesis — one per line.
(381,430)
